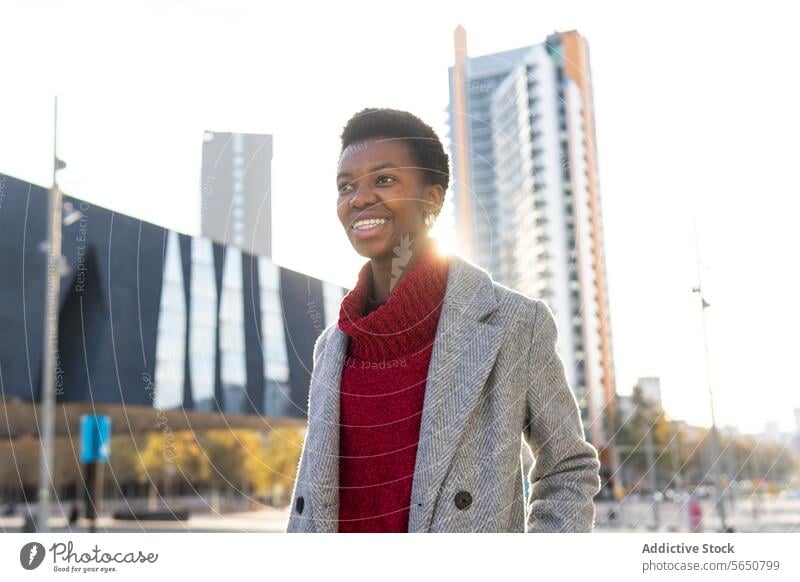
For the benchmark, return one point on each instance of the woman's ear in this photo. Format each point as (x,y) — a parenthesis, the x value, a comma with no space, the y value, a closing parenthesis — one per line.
(434,196)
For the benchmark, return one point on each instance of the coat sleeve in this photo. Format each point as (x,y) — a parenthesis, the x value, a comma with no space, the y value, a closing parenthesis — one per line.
(566,473)
(297,524)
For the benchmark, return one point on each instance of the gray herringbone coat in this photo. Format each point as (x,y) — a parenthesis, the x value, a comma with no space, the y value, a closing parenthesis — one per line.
(494,377)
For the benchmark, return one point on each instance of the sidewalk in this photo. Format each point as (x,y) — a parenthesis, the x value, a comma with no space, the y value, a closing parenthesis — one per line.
(267,520)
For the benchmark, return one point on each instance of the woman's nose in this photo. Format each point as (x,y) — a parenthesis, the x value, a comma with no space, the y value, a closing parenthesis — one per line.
(362,196)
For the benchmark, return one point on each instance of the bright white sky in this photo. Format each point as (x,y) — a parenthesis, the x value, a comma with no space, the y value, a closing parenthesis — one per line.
(696,113)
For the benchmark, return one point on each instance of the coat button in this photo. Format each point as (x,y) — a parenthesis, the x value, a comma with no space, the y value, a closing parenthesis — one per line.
(299,504)
(463,499)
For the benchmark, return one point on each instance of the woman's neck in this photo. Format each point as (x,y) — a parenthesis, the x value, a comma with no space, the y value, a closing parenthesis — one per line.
(383,280)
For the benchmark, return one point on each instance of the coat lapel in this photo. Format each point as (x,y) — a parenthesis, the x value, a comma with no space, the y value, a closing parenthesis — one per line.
(464,352)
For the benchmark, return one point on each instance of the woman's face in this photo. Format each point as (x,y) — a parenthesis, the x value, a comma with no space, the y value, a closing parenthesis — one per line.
(379,179)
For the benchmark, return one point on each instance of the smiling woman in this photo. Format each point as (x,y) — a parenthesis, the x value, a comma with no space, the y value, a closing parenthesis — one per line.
(393,175)
(424,390)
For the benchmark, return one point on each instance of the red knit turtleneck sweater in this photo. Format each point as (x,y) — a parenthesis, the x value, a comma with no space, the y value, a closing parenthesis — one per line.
(382,393)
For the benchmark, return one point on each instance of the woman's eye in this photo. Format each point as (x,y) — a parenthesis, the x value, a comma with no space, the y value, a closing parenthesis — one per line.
(389,177)
(343,186)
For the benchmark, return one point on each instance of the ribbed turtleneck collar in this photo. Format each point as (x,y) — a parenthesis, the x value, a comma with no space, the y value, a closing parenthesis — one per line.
(407,321)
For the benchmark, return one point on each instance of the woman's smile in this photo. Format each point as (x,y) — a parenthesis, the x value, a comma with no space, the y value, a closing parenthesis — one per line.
(364,229)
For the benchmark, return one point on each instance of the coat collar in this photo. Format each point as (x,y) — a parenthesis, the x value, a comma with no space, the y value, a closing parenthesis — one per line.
(464,351)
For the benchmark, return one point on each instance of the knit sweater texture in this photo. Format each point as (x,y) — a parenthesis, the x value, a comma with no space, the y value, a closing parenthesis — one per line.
(383,391)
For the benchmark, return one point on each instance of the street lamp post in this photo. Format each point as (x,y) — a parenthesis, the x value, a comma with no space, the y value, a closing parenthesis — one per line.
(50,355)
(719,492)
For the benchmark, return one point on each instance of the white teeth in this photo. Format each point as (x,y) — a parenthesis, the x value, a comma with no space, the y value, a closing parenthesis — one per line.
(369,223)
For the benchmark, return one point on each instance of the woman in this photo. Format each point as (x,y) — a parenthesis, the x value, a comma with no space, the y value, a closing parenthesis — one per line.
(421,392)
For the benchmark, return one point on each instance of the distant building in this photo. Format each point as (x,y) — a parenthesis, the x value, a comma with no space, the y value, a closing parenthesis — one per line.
(235,189)
(692,433)
(152,317)
(771,432)
(651,390)
(730,430)
(625,407)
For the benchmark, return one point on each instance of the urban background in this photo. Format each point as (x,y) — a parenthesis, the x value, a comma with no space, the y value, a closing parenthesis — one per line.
(187,357)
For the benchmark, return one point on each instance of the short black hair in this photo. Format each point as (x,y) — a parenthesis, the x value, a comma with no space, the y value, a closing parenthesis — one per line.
(425,146)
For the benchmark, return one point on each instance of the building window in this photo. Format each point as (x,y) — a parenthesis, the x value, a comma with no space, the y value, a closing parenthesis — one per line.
(273,342)
(231,329)
(171,339)
(203,323)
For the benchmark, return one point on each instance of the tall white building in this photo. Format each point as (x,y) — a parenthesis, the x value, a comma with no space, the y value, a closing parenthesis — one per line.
(527,200)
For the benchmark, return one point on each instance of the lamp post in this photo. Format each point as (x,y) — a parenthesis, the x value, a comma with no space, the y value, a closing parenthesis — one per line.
(50,344)
(719,492)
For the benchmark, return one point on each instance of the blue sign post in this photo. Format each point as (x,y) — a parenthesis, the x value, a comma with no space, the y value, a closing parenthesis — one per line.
(95,449)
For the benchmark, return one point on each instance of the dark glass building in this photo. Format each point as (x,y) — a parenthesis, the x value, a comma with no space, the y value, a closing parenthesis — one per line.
(149,316)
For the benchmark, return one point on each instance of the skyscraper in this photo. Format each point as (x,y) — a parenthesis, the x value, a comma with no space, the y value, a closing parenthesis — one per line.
(236,202)
(527,200)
